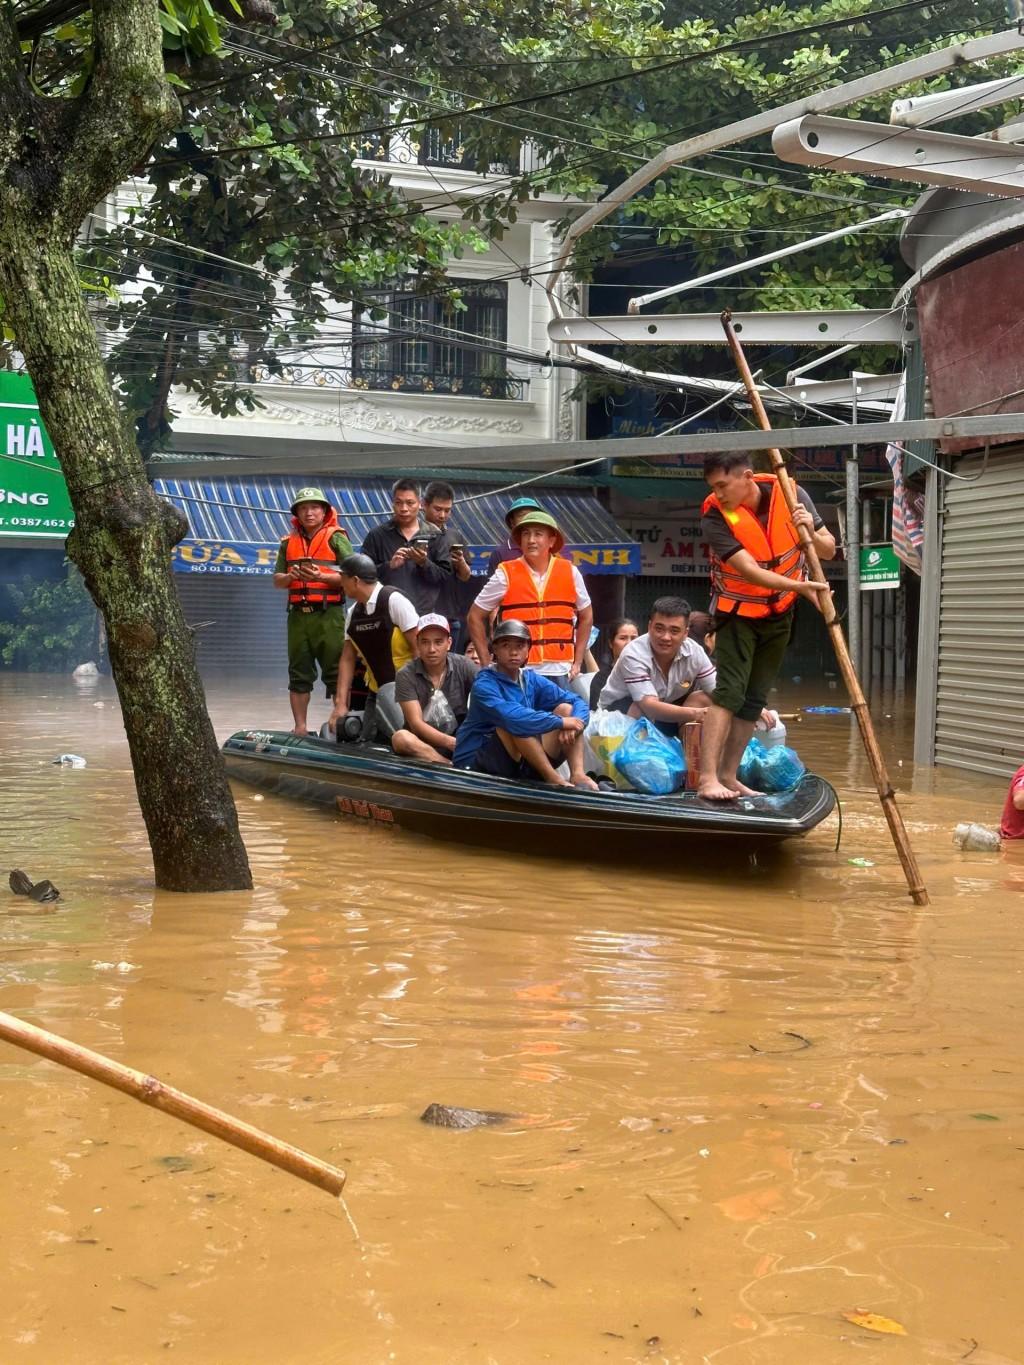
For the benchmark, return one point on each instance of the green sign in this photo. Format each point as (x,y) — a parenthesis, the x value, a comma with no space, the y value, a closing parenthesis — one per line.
(33,495)
(879,567)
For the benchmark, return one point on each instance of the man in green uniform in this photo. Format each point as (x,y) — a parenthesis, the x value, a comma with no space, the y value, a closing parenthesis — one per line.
(307,569)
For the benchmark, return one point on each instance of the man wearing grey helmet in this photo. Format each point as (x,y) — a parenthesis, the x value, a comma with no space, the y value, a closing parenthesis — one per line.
(307,569)
(520,724)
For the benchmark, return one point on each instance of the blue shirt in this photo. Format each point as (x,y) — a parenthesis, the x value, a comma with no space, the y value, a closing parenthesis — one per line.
(522,706)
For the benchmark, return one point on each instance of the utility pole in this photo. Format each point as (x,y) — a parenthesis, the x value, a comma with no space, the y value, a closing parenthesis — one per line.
(853,541)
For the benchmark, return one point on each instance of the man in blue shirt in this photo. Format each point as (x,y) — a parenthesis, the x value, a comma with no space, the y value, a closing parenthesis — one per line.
(519,721)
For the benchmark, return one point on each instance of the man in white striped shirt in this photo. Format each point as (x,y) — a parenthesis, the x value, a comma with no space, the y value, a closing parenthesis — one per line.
(662,675)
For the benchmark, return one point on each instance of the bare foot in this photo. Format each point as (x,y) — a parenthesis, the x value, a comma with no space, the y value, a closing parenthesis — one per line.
(299,730)
(557,781)
(587,783)
(713,790)
(741,788)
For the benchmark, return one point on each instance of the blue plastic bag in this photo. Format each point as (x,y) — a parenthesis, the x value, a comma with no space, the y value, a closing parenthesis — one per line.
(770,770)
(650,761)
(749,771)
(780,769)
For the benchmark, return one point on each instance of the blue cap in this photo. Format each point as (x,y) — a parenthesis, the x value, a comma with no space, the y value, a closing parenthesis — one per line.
(523,505)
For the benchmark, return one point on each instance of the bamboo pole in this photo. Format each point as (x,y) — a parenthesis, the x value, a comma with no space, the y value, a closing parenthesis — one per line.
(886,795)
(150,1091)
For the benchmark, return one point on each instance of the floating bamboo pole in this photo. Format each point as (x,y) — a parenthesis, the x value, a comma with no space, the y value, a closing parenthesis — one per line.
(886,795)
(150,1091)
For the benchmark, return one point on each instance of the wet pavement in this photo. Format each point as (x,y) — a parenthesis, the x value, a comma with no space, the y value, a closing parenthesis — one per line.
(750,1099)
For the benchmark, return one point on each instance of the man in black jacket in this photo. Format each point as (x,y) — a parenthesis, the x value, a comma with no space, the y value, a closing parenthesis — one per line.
(409,554)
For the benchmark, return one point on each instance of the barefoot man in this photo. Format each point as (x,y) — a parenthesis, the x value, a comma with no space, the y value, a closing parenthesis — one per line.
(757,573)
(520,724)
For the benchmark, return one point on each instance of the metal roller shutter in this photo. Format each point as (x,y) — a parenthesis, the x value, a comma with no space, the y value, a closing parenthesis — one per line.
(980,690)
(247,638)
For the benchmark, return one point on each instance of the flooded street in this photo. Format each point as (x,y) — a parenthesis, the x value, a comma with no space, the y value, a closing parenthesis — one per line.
(750,1100)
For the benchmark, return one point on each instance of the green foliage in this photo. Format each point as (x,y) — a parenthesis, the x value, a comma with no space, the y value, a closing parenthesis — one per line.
(46,627)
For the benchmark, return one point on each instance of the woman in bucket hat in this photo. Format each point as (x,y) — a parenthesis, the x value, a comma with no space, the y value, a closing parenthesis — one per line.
(543,590)
(307,569)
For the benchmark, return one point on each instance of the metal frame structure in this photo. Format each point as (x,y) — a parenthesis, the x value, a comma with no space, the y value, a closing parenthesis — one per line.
(962,163)
(858,327)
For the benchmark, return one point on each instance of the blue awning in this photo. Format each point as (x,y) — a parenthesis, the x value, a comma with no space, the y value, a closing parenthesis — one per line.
(237,524)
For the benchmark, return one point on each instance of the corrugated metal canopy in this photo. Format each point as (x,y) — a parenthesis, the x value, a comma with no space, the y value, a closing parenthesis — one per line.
(237,524)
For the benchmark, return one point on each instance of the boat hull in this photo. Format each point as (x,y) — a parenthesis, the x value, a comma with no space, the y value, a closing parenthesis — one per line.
(369,783)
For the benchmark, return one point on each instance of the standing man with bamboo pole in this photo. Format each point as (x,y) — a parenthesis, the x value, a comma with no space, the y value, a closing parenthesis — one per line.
(757,574)
(859,706)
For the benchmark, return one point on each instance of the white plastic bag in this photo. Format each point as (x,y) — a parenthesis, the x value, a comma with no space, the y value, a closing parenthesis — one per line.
(603,735)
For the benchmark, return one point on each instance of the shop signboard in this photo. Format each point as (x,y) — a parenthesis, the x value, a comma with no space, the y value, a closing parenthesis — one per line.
(34,498)
(672,546)
(879,567)
(201,555)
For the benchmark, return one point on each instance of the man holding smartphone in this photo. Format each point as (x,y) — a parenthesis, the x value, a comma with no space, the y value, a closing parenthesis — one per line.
(409,554)
(307,569)
(458,593)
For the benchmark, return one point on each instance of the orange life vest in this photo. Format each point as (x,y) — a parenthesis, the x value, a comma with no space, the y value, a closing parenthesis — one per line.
(549,609)
(306,592)
(778,549)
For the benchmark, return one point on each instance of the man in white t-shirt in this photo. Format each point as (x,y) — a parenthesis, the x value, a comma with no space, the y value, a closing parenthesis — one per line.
(662,675)
(546,592)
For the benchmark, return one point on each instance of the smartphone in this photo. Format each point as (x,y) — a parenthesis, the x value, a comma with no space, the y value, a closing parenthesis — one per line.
(458,548)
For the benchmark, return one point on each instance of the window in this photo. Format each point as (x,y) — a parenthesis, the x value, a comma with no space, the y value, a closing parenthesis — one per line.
(417,348)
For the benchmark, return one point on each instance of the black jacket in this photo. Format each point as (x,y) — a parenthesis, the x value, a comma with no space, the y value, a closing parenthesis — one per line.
(422,584)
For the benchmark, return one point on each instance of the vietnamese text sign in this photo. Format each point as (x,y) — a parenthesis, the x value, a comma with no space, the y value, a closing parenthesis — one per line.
(198,555)
(879,567)
(33,495)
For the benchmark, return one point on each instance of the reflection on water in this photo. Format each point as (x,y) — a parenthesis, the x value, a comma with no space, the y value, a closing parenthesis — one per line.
(684,1178)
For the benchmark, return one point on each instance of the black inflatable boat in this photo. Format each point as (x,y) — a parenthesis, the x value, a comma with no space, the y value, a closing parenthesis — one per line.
(370,783)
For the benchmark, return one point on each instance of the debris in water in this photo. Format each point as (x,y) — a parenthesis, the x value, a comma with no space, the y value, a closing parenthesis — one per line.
(860,862)
(88,670)
(69,760)
(539,1279)
(787,1033)
(874,1322)
(664,1211)
(448,1116)
(22,885)
(973,838)
(986,1118)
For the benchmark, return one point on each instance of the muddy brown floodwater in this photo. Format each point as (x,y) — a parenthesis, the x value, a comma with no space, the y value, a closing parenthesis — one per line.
(688,1180)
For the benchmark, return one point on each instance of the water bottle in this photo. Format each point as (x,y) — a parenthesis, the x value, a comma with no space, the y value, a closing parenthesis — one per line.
(975,839)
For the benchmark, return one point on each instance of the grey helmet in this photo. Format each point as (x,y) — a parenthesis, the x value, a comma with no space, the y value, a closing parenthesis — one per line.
(359,566)
(512,630)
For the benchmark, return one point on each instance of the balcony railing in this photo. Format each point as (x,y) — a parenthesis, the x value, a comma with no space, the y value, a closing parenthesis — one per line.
(387,380)
(433,148)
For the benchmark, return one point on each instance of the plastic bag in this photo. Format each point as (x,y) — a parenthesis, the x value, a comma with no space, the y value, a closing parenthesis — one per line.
(439,713)
(774,769)
(649,760)
(781,768)
(603,736)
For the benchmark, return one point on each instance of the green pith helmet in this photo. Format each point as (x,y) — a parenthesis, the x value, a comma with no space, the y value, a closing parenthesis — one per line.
(539,519)
(309,495)
(521,504)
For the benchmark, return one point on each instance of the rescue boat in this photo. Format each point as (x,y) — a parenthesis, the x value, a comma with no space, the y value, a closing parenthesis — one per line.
(369,783)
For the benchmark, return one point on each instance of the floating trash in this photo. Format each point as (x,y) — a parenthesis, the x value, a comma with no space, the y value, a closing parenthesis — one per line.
(69,760)
(976,839)
(860,862)
(826,710)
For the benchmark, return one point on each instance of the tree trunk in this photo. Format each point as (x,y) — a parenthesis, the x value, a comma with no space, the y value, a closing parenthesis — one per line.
(121,542)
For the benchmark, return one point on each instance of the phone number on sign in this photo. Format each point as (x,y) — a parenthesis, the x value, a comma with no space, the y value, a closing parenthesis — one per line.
(47,523)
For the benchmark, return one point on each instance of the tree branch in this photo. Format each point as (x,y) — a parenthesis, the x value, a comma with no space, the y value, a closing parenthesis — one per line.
(15,93)
(124,108)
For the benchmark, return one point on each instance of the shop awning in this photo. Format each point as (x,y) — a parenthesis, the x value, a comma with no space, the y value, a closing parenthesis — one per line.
(237,524)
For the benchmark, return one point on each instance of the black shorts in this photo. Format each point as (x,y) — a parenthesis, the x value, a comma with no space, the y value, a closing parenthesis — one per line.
(665,726)
(494,759)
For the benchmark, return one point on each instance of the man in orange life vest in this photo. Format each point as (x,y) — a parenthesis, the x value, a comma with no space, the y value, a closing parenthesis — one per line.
(307,569)
(757,573)
(544,591)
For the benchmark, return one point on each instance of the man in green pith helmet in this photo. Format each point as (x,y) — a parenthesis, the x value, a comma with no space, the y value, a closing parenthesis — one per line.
(307,569)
